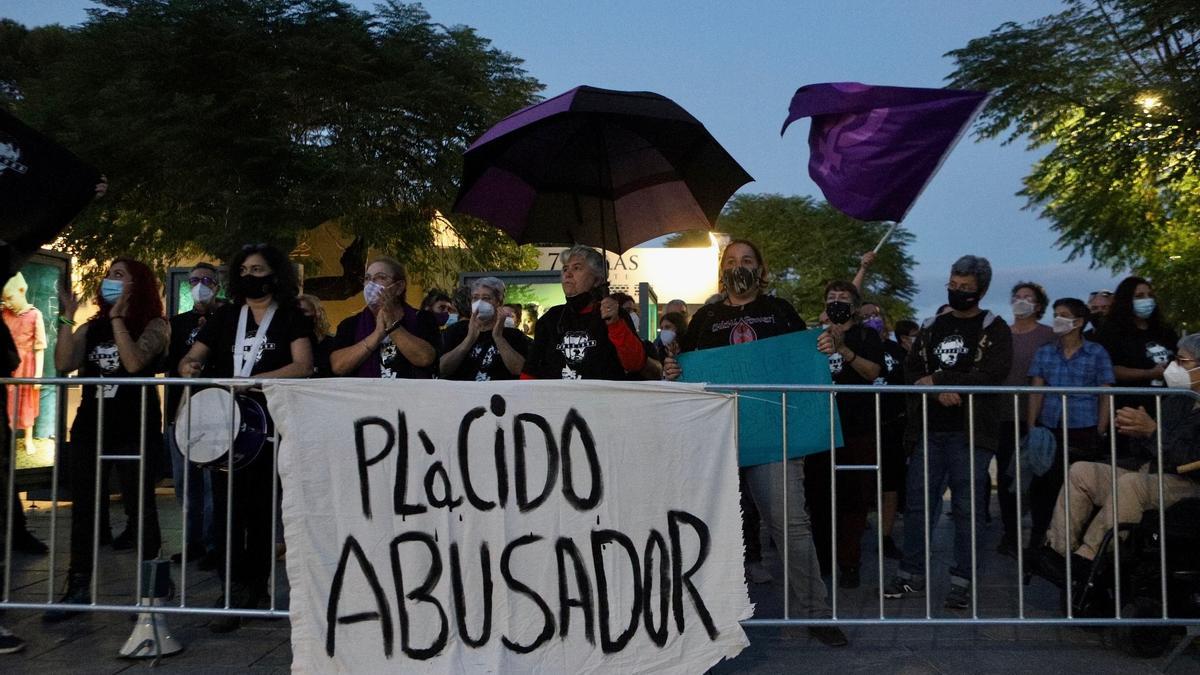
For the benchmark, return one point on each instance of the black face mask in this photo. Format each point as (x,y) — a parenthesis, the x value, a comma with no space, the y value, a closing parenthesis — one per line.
(839,312)
(256,288)
(962,300)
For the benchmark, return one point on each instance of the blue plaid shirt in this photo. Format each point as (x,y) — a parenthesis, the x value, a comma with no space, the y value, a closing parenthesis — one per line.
(1089,366)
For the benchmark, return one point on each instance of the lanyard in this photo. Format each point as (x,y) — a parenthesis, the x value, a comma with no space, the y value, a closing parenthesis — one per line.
(243,358)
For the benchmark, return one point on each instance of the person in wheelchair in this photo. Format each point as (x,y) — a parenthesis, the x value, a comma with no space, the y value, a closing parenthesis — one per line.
(1090,483)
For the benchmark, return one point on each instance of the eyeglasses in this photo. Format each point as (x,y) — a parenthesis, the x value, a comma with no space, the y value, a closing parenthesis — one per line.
(1103,294)
(955,287)
(381,279)
(207,281)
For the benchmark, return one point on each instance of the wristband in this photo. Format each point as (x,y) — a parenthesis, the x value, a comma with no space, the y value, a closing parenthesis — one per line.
(853,358)
(65,321)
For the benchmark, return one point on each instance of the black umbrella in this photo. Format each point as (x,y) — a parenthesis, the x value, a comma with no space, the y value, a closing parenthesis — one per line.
(599,167)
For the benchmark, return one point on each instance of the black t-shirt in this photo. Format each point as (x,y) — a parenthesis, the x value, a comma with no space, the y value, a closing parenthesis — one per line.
(219,334)
(184,329)
(953,345)
(892,372)
(1132,347)
(857,411)
(570,342)
(122,403)
(482,362)
(392,364)
(721,325)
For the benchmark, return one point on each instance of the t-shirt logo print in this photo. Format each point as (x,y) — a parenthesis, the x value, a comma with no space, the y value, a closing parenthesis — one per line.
(1157,353)
(107,359)
(742,333)
(387,353)
(889,367)
(950,349)
(835,363)
(574,346)
(10,158)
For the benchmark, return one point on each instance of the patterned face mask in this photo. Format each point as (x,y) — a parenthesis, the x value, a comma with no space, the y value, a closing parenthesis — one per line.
(740,280)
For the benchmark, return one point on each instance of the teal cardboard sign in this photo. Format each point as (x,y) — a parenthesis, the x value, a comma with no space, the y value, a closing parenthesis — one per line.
(786,359)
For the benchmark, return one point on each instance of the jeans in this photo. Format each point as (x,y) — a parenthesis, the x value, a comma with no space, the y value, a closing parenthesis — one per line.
(949,464)
(766,485)
(199,494)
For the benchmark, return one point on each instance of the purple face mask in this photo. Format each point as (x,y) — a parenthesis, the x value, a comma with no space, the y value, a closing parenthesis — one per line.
(874,323)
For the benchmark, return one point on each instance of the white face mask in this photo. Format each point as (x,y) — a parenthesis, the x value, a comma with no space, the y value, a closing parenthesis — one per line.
(484,308)
(1177,376)
(1022,308)
(373,292)
(1063,325)
(666,336)
(509,322)
(201,294)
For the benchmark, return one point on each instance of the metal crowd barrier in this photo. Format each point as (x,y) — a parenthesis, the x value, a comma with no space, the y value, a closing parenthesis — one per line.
(101,498)
(738,391)
(920,458)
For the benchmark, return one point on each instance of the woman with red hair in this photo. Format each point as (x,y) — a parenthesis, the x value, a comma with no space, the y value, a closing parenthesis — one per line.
(128,337)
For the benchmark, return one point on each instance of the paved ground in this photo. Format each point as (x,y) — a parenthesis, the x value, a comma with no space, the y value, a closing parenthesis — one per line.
(89,644)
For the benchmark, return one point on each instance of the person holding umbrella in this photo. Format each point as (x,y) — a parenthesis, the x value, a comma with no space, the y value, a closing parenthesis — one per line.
(589,337)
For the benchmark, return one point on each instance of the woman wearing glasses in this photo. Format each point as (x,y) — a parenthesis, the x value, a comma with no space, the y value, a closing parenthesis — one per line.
(262,334)
(388,338)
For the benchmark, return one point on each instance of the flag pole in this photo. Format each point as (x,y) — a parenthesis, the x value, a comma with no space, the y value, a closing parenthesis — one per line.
(885,237)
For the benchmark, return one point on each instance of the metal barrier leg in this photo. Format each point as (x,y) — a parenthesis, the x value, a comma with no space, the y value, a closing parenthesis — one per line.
(1019,515)
(10,496)
(787,515)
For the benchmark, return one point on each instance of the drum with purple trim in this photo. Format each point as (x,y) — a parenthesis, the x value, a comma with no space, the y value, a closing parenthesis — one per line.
(206,440)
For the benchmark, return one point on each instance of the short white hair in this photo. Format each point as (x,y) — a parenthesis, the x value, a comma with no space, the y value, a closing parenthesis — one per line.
(590,256)
(491,283)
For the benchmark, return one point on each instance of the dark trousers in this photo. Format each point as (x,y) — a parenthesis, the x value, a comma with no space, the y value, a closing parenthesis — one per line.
(855,490)
(252,548)
(1044,489)
(83,501)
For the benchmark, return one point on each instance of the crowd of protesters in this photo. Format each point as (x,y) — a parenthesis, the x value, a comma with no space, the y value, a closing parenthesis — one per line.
(267,329)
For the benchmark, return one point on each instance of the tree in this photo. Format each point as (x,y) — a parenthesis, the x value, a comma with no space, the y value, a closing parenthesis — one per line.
(808,243)
(224,122)
(1109,88)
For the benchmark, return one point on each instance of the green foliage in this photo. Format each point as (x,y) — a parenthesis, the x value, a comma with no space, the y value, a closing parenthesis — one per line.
(1110,89)
(808,243)
(222,122)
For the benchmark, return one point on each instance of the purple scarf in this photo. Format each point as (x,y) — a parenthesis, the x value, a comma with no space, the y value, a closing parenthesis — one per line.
(372,367)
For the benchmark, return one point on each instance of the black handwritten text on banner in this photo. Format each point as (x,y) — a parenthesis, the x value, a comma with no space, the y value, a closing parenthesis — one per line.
(510,527)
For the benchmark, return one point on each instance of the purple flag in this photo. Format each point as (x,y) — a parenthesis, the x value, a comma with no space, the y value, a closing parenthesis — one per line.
(875,148)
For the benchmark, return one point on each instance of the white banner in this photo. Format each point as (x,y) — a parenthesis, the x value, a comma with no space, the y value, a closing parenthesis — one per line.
(453,527)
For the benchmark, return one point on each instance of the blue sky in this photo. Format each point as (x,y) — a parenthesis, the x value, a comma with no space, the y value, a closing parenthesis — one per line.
(735,65)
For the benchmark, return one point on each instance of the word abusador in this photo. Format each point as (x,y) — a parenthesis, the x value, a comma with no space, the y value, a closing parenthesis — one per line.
(510,527)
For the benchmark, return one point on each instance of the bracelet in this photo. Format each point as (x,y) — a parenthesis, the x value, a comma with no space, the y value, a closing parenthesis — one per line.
(65,321)
(121,332)
(114,318)
(853,359)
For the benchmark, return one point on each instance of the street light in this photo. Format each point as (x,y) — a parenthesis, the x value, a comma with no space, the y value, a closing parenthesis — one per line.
(1148,101)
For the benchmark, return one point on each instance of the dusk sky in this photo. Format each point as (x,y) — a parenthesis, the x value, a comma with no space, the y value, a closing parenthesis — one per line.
(735,66)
